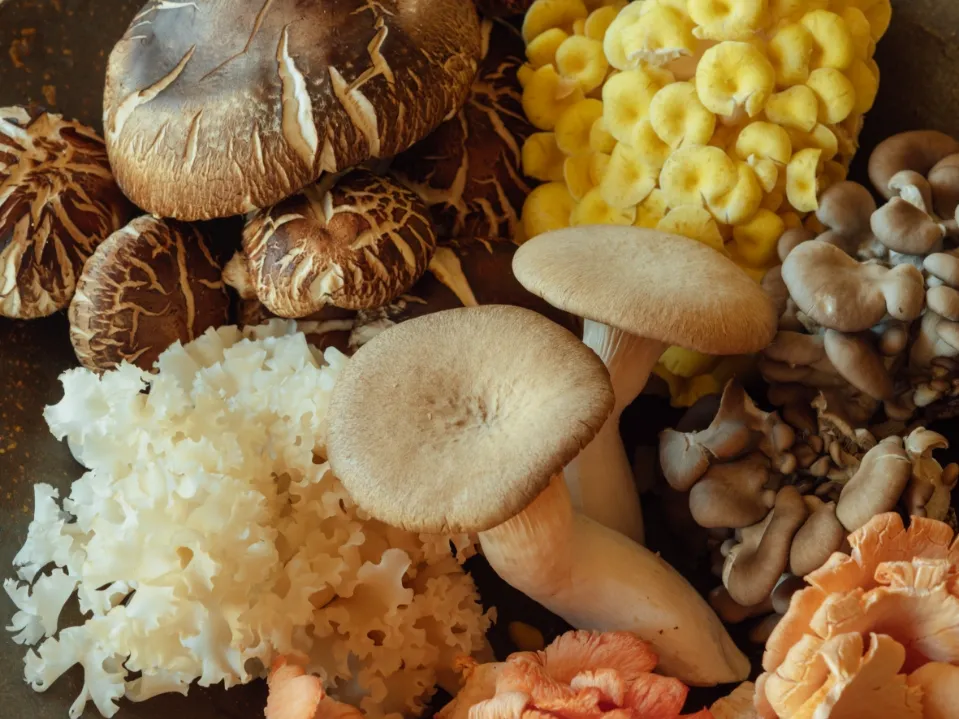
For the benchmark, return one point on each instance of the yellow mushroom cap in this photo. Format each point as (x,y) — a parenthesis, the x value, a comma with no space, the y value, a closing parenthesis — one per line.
(733,75)
(781,11)
(679,118)
(687,363)
(765,140)
(801,176)
(756,240)
(626,99)
(628,178)
(724,20)
(601,18)
(547,207)
(832,41)
(694,222)
(796,107)
(648,144)
(866,85)
(859,29)
(544,15)
(742,201)
(542,49)
(542,158)
(879,14)
(821,137)
(581,59)
(697,175)
(658,36)
(835,92)
(652,210)
(547,95)
(767,172)
(594,210)
(599,138)
(790,51)
(574,126)
(598,162)
(577,174)
(613,41)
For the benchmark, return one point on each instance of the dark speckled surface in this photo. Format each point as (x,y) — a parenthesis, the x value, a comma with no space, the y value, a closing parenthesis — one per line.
(53,52)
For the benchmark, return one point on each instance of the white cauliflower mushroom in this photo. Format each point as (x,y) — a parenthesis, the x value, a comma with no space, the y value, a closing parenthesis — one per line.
(209,536)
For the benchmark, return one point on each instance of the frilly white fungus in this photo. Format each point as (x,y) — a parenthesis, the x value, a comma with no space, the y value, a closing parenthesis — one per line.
(209,535)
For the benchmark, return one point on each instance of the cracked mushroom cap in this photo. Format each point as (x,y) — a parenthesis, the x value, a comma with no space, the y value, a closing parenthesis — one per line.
(150,284)
(840,293)
(221,107)
(58,201)
(469,171)
(356,245)
(456,421)
(645,282)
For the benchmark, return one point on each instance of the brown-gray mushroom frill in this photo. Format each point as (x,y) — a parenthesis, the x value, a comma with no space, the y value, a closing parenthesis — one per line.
(469,170)
(149,285)
(58,201)
(870,307)
(221,107)
(356,245)
(780,494)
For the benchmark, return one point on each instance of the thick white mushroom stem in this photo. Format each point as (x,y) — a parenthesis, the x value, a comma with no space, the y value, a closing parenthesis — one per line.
(600,479)
(597,579)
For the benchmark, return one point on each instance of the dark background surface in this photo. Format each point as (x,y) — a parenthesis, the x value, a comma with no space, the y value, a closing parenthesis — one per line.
(53,52)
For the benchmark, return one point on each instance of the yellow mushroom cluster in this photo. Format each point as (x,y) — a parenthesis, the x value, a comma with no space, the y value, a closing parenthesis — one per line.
(720,120)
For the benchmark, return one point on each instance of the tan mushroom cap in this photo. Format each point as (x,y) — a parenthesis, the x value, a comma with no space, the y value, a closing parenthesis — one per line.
(220,107)
(650,284)
(149,285)
(58,201)
(456,421)
(355,245)
(918,150)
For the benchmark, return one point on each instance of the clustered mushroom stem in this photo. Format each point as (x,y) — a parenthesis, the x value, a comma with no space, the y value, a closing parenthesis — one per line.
(597,579)
(600,479)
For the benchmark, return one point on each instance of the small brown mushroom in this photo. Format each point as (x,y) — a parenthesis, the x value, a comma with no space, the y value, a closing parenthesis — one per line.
(150,284)
(929,492)
(943,266)
(904,228)
(795,348)
(755,564)
(468,171)
(944,301)
(937,337)
(791,239)
(919,151)
(356,245)
(732,494)
(877,485)
(845,295)
(915,189)
(58,201)
(855,358)
(846,208)
(944,180)
(820,535)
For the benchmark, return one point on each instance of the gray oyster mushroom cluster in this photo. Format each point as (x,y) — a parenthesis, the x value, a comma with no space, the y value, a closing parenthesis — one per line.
(779,494)
(869,307)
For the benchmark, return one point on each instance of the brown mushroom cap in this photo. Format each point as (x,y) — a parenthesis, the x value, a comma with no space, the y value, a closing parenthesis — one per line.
(732,494)
(58,201)
(855,358)
(645,283)
(944,266)
(842,294)
(220,107)
(820,535)
(944,180)
(469,170)
(755,564)
(877,485)
(149,285)
(903,227)
(356,245)
(790,240)
(846,208)
(943,301)
(456,421)
(919,151)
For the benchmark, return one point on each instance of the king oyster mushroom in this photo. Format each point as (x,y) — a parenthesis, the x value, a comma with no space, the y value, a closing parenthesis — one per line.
(495,401)
(357,244)
(58,201)
(148,285)
(469,170)
(221,107)
(637,292)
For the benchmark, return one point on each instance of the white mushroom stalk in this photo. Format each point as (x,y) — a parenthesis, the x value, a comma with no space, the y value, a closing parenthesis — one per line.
(600,479)
(597,579)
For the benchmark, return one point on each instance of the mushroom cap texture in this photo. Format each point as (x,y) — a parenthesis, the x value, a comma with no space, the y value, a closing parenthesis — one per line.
(649,284)
(357,245)
(469,171)
(456,421)
(148,285)
(58,201)
(220,107)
